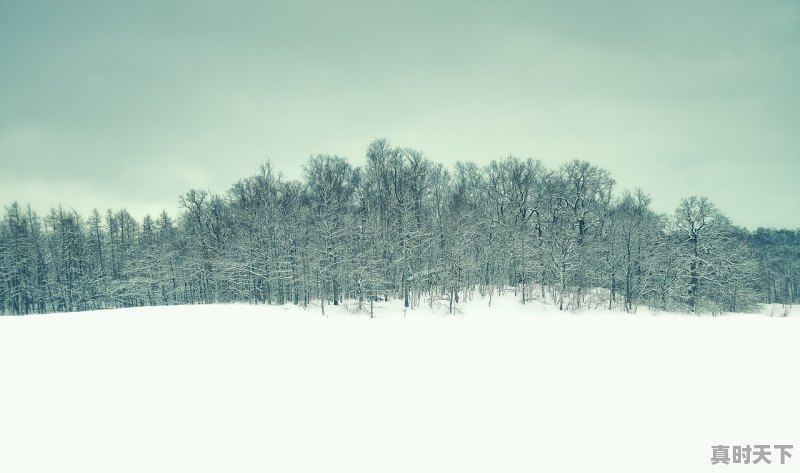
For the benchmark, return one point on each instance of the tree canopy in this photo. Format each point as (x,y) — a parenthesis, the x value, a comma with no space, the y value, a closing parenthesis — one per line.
(405,227)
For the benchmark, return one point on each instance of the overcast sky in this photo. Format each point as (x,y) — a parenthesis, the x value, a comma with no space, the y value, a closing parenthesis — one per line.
(111,105)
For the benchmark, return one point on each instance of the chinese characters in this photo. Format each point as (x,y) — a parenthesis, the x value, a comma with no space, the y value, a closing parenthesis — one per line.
(749,455)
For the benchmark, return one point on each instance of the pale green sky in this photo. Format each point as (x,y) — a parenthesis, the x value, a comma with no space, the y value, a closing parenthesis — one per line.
(111,105)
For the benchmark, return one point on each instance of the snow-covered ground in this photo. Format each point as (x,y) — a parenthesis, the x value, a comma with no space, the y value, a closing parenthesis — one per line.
(510,388)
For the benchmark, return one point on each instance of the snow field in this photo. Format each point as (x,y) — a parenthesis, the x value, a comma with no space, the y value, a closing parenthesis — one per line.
(278,388)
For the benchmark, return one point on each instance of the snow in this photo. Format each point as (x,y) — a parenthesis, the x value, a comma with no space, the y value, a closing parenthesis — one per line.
(510,388)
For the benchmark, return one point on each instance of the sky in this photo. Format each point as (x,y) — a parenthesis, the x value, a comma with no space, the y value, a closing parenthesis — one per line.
(131,104)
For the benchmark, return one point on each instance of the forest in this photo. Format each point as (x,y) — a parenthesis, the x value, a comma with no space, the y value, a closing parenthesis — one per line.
(401,227)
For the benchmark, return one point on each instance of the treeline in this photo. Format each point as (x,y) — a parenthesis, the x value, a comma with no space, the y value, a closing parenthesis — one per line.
(401,227)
